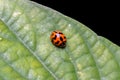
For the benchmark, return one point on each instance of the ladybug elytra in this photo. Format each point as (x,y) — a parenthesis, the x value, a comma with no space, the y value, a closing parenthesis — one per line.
(58,39)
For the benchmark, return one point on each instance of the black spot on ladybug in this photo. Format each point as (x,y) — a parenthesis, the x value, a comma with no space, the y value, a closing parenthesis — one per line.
(60,33)
(61,38)
(55,37)
(57,42)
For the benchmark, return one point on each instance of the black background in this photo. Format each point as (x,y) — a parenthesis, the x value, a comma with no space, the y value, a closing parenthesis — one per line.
(100,16)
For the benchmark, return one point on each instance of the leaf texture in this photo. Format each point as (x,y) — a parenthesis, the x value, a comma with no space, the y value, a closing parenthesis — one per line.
(26,52)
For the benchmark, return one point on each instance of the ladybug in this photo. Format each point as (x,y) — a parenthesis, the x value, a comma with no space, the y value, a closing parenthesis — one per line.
(58,39)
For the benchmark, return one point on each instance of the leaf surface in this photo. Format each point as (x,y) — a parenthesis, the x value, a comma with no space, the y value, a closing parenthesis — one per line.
(26,52)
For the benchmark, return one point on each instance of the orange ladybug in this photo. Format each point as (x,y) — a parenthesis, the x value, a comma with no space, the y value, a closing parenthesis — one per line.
(58,39)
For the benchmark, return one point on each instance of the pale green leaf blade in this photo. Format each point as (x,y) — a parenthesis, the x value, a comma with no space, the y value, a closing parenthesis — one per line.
(26,52)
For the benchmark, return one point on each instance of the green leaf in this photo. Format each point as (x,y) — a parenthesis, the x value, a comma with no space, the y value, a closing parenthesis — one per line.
(26,52)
